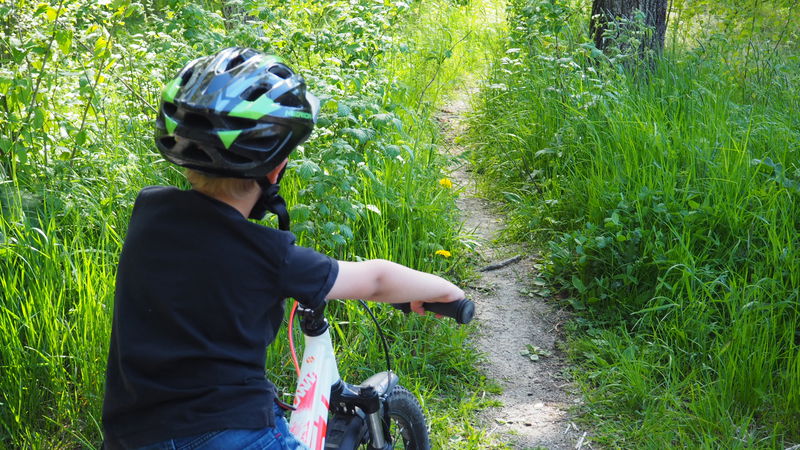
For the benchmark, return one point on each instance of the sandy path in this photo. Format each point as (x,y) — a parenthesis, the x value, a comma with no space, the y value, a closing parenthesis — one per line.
(536,395)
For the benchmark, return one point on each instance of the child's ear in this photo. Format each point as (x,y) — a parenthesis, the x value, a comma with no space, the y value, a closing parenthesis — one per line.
(273,175)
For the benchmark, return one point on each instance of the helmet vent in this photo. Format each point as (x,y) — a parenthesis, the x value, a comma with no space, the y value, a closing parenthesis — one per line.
(234,158)
(252,94)
(238,123)
(281,71)
(167,141)
(193,153)
(235,62)
(186,75)
(289,100)
(170,109)
(263,144)
(197,122)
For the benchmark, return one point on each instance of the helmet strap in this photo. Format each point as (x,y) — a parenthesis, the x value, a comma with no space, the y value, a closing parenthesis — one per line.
(271,201)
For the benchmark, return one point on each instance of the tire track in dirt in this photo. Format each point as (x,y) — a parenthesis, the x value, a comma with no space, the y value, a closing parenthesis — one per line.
(536,396)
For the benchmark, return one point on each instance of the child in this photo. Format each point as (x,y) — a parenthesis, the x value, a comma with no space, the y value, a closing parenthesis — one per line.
(200,288)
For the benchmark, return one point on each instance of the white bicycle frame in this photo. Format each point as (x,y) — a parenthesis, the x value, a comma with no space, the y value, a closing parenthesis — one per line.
(357,409)
(318,372)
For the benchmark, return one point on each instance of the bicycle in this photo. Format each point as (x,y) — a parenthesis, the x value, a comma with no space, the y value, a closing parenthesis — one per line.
(378,413)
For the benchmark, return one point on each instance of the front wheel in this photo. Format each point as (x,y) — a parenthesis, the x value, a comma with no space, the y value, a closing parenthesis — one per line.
(407,426)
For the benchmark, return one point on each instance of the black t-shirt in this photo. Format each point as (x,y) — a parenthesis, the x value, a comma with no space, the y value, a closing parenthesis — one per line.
(199,297)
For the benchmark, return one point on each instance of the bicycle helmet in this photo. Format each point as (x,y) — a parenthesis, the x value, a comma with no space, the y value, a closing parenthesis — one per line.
(238,113)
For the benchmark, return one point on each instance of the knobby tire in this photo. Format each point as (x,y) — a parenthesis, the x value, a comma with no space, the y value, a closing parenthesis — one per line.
(408,427)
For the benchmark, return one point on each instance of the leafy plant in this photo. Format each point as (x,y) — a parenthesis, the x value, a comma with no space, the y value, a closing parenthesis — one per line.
(534,353)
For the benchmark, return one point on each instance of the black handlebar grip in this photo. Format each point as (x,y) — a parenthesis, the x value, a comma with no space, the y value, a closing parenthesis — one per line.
(461,310)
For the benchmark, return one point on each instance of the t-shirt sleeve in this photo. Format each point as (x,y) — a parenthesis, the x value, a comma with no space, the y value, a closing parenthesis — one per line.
(308,275)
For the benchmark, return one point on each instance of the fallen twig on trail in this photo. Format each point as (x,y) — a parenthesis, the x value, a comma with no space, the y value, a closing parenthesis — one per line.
(501,264)
(581,441)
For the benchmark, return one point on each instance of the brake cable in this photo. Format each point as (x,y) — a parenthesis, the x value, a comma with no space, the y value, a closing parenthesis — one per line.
(374,320)
(380,333)
(291,338)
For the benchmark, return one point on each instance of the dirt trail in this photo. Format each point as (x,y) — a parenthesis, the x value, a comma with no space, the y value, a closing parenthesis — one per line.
(535,395)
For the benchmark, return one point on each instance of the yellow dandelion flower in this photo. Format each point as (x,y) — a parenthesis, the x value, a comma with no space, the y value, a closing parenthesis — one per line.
(445,182)
(444,253)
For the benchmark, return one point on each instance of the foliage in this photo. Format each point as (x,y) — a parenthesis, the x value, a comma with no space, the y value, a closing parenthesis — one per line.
(667,197)
(80,83)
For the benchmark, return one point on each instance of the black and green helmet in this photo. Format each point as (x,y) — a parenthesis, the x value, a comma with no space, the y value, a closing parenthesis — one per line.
(237,113)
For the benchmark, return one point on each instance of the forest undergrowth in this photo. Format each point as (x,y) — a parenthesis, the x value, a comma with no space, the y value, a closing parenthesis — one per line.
(665,194)
(79,87)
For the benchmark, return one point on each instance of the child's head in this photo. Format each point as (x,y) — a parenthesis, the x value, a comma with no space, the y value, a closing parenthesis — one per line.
(236,114)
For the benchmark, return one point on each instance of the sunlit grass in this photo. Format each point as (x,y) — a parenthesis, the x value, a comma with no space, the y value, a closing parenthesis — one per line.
(668,203)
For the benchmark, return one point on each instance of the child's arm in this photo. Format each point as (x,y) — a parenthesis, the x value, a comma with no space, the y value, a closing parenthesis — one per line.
(384,281)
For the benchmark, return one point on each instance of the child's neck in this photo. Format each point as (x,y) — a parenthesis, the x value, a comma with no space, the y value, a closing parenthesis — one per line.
(242,204)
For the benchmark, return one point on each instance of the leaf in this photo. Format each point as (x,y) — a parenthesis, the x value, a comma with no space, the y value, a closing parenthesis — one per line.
(64,40)
(655,308)
(338,239)
(363,135)
(52,14)
(578,284)
(101,47)
(5,83)
(545,151)
(80,138)
(22,153)
(374,209)
(343,110)
(534,353)
(381,119)
(346,231)
(613,221)
(392,151)
(300,213)
(576,304)
(307,169)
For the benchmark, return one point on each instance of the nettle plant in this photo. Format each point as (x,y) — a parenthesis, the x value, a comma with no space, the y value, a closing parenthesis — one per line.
(354,142)
(82,82)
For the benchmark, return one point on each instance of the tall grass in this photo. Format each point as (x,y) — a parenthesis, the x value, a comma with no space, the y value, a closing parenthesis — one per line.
(364,186)
(668,201)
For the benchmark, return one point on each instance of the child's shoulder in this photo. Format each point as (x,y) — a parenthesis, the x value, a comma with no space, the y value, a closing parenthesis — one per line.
(155,197)
(159,193)
(154,191)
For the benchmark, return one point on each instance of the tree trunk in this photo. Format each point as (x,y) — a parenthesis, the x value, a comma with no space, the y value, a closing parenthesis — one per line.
(622,14)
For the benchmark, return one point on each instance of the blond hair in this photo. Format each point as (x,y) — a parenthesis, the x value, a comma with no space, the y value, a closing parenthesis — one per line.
(220,186)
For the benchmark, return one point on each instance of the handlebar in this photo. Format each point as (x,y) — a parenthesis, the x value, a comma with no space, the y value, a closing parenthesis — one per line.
(461,310)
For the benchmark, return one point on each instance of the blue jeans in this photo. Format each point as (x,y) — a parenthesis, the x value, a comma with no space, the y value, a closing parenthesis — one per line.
(278,438)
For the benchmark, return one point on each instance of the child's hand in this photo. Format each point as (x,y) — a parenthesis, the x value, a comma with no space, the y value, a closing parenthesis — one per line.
(462,311)
(416,306)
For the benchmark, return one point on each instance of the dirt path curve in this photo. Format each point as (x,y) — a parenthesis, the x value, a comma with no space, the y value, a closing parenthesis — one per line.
(535,395)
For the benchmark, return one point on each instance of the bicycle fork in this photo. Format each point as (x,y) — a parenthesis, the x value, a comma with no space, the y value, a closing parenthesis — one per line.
(366,404)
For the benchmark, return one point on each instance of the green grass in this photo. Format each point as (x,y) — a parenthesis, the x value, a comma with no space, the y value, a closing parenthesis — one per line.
(77,147)
(667,200)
